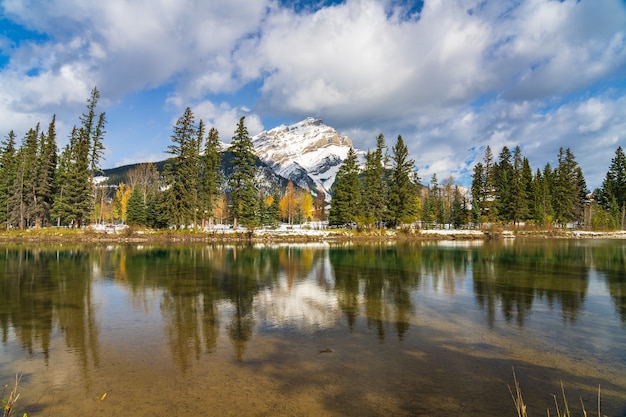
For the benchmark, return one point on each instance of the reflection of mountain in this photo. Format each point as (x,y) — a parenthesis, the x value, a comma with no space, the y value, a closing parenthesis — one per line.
(207,293)
(305,305)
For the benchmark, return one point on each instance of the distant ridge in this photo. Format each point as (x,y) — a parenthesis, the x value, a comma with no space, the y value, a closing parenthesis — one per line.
(308,153)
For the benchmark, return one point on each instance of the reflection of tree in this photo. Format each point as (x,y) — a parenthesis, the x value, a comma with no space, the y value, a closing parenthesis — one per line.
(383,276)
(42,290)
(514,275)
(610,261)
(240,288)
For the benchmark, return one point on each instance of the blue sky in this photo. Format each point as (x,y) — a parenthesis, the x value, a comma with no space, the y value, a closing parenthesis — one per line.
(450,76)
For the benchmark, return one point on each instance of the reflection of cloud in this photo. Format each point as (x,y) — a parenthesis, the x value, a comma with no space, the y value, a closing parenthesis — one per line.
(306,305)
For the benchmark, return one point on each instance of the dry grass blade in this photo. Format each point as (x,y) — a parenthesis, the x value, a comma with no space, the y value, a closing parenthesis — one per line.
(517,398)
(9,403)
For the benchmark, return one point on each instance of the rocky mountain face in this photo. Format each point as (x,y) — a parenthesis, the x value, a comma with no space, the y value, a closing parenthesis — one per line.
(308,153)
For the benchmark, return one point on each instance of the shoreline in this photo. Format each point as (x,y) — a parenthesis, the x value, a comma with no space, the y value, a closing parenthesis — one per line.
(51,235)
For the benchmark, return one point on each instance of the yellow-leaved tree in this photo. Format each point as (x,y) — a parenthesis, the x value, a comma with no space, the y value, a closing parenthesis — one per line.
(121,201)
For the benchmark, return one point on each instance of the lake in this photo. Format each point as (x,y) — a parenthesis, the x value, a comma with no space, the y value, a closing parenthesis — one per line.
(380,329)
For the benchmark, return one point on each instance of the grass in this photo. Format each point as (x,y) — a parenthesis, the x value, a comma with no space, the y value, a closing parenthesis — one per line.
(8,405)
(521,407)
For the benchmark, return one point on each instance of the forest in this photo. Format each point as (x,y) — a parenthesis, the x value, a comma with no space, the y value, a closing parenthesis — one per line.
(42,186)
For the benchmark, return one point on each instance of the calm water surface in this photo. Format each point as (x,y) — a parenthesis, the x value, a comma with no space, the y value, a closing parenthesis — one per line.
(423,329)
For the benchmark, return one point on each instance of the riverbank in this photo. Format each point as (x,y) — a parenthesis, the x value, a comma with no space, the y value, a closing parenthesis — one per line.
(284,234)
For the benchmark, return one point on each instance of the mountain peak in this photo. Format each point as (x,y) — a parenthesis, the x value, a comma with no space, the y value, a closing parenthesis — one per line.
(307,152)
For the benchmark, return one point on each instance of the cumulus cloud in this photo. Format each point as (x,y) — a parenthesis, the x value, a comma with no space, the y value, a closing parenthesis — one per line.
(451,76)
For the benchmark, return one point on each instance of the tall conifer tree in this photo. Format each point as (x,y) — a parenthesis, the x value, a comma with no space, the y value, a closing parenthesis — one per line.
(345,202)
(402,192)
(242,179)
(181,173)
(8,168)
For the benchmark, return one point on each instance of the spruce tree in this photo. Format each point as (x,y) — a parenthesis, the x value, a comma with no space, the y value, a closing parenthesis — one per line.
(504,192)
(478,194)
(211,181)
(8,167)
(181,174)
(92,131)
(373,189)
(569,188)
(61,211)
(136,214)
(45,175)
(519,189)
(612,195)
(490,190)
(242,178)
(344,204)
(401,190)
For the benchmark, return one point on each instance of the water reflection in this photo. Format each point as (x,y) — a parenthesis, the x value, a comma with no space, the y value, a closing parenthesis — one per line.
(48,292)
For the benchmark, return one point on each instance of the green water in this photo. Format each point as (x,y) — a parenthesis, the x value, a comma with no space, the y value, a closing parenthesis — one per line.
(431,328)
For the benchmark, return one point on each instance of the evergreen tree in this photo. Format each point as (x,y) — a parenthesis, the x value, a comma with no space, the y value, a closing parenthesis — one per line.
(181,174)
(478,191)
(345,205)
(45,175)
(612,195)
(459,211)
(92,132)
(490,189)
(373,189)
(80,187)
(504,192)
(527,179)
(569,188)
(432,210)
(211,173)
(241,181)
(8,169)
(22,200)
(519,189)
(402,191)
(61,212)
(136,214)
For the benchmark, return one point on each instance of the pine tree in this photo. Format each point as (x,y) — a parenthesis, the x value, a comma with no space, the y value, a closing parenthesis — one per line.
(519,190)
(490,190)
(373,189)
(479,211)
(61,212)
(211,174)
(612,195)
(569,188)
(241,180)
(504,192)
(7,177)
(136,214)
(344,204)
(45,175)
(402,191)
(181,174)
(22,199)
(80,187)
(92,130)
(458,215)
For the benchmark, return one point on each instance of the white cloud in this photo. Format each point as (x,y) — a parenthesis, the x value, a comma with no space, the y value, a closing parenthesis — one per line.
(461,75)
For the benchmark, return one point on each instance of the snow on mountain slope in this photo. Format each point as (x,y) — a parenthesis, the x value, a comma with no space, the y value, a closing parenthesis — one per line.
(308,152)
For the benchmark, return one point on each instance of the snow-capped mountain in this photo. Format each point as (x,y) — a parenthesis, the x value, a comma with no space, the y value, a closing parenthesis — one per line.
(308,153)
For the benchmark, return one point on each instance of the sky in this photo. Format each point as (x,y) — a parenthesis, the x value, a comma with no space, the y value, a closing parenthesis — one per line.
(450,76)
